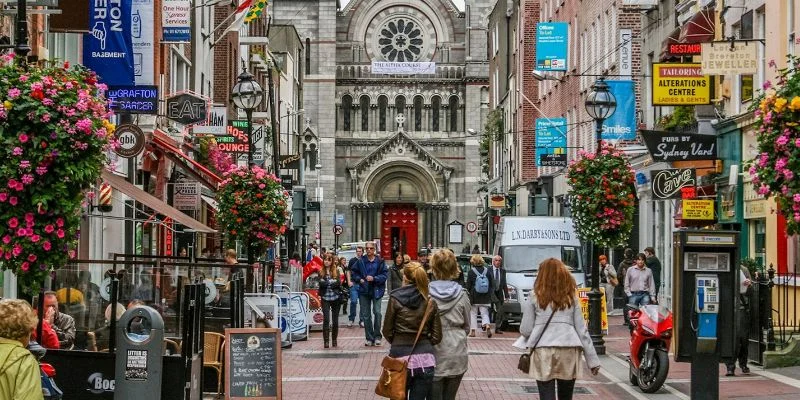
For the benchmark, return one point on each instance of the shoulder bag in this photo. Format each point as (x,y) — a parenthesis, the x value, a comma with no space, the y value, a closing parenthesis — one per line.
(524,364)
(392,382)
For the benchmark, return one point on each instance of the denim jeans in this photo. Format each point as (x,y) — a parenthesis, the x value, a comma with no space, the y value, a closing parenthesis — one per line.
(354,304)
(372,321)
(419,383)
(446,387)
(639,298)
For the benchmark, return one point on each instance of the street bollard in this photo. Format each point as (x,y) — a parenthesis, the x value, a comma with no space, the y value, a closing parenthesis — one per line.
(140,353)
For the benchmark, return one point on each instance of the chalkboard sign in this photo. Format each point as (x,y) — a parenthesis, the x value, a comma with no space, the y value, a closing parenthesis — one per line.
(253,363)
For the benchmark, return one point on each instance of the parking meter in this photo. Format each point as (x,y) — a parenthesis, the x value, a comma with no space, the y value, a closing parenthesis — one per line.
(706,271)
(140,353)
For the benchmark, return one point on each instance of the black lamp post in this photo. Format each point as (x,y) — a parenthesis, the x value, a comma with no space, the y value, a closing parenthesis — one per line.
(247,94)
(22,48)
(600,104)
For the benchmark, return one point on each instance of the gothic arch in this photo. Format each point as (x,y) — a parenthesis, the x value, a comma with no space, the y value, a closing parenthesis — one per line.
(388,171)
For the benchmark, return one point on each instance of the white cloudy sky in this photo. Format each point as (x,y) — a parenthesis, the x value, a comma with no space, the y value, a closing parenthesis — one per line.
(458,3)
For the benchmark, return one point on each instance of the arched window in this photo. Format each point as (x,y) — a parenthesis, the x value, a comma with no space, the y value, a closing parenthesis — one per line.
(436,105)
(418,113)
(400,105)
(383,104)
(347,109)
(364,113)
(453,114)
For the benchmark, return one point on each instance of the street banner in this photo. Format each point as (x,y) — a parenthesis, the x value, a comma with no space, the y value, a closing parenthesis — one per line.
(175,21)
(551,139)
(216,123)
(698,209)
(671,146)
(667,183)
(108,48)
(403,68)
(622,124)
(583,296)
(142,42)
(676,84)
(551,46)
(625,52)
(740,58)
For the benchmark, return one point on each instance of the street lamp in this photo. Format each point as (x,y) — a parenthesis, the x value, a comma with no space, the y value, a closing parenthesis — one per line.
(247,94)
(600,104)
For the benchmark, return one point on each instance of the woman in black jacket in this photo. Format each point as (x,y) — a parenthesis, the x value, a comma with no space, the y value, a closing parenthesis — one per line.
(480,286)
(330,293)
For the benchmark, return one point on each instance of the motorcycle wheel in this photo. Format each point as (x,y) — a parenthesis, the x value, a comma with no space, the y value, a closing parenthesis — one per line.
(654,377)
(632,374)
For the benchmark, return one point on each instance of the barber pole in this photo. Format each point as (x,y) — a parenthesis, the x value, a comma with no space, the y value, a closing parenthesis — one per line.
(104,200)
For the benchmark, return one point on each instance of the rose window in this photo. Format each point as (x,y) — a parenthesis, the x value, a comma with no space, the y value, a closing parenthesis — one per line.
(400,40)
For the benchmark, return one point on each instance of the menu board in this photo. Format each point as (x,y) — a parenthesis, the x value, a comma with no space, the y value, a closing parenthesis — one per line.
(252,363)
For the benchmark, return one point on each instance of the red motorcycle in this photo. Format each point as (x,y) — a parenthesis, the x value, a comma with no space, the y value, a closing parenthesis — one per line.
(651,334)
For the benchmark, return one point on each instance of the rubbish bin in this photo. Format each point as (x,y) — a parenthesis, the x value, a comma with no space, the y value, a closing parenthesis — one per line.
(140,352)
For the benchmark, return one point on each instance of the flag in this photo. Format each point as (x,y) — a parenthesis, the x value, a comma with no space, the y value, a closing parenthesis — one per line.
(256,10)
(247,11)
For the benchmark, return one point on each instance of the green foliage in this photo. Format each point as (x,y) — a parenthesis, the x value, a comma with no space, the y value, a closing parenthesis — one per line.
(680,119)
(752,265)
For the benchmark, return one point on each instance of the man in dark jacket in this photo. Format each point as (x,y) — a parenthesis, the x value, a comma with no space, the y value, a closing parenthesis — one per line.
(742,324)
(500,291)
(655,265)
(369,273)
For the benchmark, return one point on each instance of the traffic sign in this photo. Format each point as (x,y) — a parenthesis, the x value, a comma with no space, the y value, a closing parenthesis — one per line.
(472,227)
(337,230)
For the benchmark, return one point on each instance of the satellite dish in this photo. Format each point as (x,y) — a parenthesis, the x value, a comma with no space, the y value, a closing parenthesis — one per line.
(105,289)
(210,291)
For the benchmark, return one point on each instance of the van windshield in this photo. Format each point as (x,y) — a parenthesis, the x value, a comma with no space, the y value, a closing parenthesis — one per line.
(528,258)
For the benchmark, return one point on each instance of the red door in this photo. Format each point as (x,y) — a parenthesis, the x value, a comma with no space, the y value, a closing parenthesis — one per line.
(399,231)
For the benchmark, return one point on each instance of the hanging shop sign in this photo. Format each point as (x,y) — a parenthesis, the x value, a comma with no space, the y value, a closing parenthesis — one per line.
(133,99)
(187,196)
(551,46)
(698,209)
(403,68)
(622,124)
(667,183)
(187,108)
(680,85)
(142,41)
(175,21)
(108,46)
(497,201)
(131,140)
(290,162)
(738,58)
(216,123)
(236,139)
(625,53)
(670,146)
(685,49)
(551,142)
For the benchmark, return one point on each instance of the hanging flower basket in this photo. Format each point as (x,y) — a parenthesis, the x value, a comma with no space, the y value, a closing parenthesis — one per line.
(602,197)
(252,205)
(776,168)
(56,134)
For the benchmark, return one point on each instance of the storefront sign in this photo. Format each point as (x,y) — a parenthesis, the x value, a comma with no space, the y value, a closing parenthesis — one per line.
(186,108)
(622,124)
(551,138)
(175,21)
(670,146)
(133,99)
(497,201)
(740,58)
(625,53)
(142,41)
(698,209)
(755,209)
(583,296)
(187,196)
(727,204)
(290,162)
(235,141)
(680,85)
(551,46)
(667,183)
(108,47)
(685,49)
(130,139)
(216,123)
(403,68)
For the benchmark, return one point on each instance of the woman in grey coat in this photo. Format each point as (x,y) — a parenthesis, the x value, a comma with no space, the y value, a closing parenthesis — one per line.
(454,306)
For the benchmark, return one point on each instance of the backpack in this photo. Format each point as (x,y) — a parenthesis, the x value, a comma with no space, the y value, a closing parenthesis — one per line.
(481,281)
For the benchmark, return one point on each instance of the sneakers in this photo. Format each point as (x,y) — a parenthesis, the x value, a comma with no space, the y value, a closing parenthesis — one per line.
(745,370)
(368,343)
(730,372)
(350,324)
(361,324)
(377,343)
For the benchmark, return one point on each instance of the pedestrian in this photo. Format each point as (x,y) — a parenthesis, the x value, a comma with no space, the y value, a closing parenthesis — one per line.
(479,284)
(404,316)
(354,290)
(742,324)
(63,324)
(608,275)
(19,370)
(655,265)
(344,274)
(396,272)
(619,290)
(639,284)
(453,304)
(369,273)
(330,286)
(499,294)
(422,258)
(552,324)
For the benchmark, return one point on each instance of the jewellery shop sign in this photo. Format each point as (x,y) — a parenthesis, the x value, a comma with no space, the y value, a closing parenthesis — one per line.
(671,146)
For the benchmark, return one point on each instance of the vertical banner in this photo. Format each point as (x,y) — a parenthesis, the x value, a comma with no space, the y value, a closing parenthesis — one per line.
(107,48)
(622,124)
(626,52)
(551,46)
(551,142)
(175,17)
(142,41)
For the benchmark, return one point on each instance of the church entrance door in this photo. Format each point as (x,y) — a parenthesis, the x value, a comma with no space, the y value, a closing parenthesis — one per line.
(399,224)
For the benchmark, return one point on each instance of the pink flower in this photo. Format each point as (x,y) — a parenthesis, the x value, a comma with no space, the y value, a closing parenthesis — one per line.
(17,151)
(781,163)
(12,200)
(60,233)
(782,140)
(32,258)
(24,164)
(27,179)
(24,266)
(6,239)
(3,197)
(23,138)
(788,174)
(60,222)
(41,170)
(28,216)
(49,229)
(17,250)
(46,245)
(12,183)
(23,78)
(13,93)
(763,190)
(796,197)
(13,222)
(22,232)
(35,238)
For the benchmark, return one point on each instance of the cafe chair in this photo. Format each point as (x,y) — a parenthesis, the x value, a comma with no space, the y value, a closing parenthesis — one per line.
(171,347)
(213,346)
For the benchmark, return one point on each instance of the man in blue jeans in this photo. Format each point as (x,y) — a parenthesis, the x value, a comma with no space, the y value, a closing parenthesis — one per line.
(639,284)
(369,274)
(354,289)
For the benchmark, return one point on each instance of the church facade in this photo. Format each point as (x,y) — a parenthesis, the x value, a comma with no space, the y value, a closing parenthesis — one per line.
(395,155)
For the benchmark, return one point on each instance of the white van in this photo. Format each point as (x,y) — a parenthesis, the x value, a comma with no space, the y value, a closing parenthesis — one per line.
(524,242)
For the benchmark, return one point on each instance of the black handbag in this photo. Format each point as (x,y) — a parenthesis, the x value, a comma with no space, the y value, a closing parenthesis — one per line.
(524,363)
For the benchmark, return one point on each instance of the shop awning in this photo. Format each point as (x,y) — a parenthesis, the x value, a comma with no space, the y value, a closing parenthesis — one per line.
(211,202)
(672,38)
(192,167)
(119,183)
(699,28)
